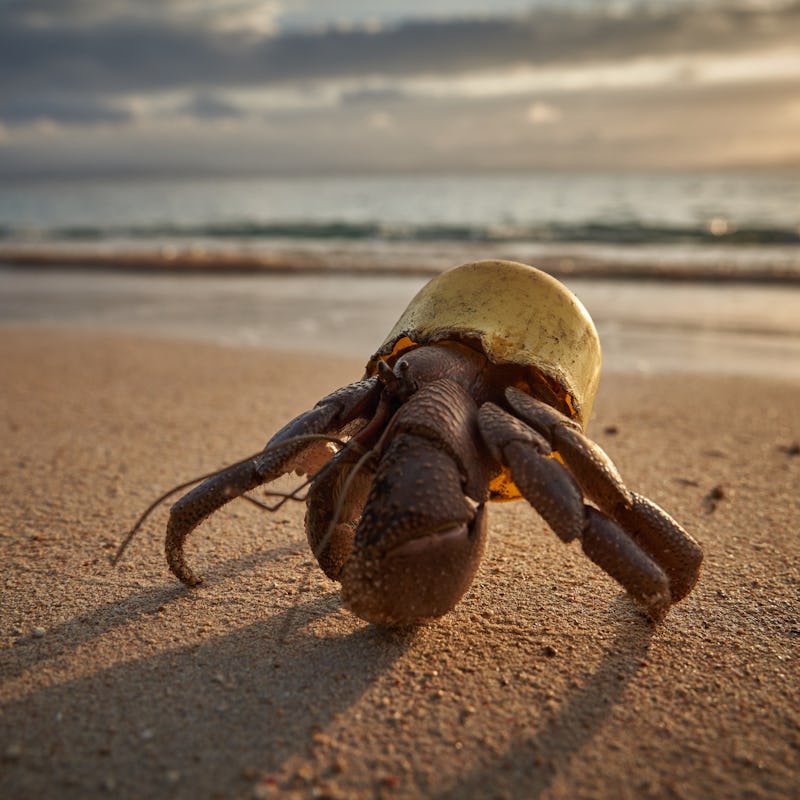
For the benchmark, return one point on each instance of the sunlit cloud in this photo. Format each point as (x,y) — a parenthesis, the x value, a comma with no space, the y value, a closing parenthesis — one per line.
(634,74)
(381,121)
(256,20)
(674,72)
(542,114)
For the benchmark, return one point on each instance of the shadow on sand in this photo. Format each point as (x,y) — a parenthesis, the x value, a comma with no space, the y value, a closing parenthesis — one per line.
(536,759)
(210,716)
(182,722)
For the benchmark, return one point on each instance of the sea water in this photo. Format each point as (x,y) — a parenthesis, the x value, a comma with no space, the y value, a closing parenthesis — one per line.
(726,221)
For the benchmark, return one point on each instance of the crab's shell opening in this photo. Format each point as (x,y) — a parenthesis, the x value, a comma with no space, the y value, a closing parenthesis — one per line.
(513,314)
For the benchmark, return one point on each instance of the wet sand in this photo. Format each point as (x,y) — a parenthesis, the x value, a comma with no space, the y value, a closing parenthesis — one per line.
(645,326)
(544,682)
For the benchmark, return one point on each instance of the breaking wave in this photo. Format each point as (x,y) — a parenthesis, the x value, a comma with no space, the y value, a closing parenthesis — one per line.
(714,232)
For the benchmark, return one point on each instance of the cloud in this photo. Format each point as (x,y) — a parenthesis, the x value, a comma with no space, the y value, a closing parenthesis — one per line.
(253,17)
(107,84)
(691,127)
(167,51)
(369,93)
(71,109)
(210,105)
(540,113)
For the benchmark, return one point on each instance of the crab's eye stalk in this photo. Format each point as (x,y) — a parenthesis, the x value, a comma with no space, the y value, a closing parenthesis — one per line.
(386,373)
(392,385)
(404,380)
(405,376)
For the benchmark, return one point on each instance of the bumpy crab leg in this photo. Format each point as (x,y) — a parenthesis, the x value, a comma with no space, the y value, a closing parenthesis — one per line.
(282,454)
(629,537)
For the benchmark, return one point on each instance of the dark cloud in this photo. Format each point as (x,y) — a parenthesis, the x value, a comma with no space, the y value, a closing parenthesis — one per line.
(72,109)
(383,95)
(210,105)
(108,58)
(134,54)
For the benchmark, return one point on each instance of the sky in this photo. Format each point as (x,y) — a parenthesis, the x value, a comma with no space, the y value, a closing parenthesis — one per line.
(93,87)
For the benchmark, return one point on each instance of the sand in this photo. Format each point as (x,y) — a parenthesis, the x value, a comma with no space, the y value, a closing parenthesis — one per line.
(544,682)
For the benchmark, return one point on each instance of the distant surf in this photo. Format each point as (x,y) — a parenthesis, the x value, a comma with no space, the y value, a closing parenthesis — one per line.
(702,227)
(713,232)
(748,264)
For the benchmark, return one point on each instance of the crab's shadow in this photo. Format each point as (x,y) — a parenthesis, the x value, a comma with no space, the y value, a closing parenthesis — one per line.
(535,760)
(180,722)
(243,703)
(187,719)
(81,630)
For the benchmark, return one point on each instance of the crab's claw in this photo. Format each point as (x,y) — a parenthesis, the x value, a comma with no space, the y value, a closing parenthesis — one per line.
(422,533)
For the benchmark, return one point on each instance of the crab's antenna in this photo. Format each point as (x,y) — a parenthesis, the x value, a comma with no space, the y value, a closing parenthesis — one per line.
(381,415)
(303,437)
(350,446)
(355,444)
(293,495)
(386,374)
(160,499)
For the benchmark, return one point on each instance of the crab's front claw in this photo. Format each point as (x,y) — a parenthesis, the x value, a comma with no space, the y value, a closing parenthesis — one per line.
(421,536)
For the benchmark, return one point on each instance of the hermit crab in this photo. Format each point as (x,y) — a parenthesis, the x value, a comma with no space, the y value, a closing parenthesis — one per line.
(480,392)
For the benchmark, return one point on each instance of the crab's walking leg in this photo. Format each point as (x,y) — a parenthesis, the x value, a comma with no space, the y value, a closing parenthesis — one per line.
(655,531)
(555,494)
(282,454)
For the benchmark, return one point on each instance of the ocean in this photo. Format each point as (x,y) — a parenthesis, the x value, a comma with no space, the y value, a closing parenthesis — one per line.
(737,226)
(681,273)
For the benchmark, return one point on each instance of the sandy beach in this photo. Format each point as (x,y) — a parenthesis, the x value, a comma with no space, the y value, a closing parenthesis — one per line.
(544,682)
(211,216)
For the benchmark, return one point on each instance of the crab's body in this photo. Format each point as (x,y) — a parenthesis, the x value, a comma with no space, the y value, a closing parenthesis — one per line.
(480,392)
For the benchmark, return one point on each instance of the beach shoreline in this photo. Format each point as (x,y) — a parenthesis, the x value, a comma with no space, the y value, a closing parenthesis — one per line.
(645,326)
(545,681)
(724,264)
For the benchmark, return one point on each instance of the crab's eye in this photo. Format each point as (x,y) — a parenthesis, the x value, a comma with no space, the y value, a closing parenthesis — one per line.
(402,365)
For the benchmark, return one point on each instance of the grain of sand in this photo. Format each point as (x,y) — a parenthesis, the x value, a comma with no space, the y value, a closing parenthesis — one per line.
(544,682)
